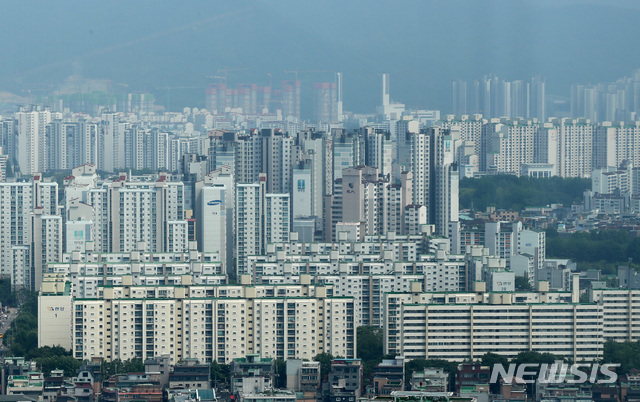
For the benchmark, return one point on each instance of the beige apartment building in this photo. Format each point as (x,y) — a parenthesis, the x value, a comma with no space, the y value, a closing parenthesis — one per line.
(209,322)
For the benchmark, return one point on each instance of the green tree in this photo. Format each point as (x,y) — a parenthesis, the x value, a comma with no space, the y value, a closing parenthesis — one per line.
(7,295)
(281,374)
(22,336)
(118,366)
(627,354)
(601,249)
(325,360)
(67,363)
(516,193)
(633,250)
(370,341)
(536,357)
(522,283)
(220,373)
(490,358)
(369,350)
(48,351)
(135,365)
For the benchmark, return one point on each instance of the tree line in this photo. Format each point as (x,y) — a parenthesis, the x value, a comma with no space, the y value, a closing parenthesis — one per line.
(598,246)
(516,193)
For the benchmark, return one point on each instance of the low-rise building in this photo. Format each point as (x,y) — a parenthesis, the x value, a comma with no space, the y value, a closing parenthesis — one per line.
(261,371)
(430,380)
(470,376)
(132,387)
(388,376)
(303,376)
(189,374)
(345,380)
(30,385)
(275,395)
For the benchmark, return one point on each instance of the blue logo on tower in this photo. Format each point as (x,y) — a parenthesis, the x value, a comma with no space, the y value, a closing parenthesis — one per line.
(214,202)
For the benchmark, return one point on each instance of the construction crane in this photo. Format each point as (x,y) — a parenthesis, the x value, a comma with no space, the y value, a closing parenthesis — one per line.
(296,72)
(227,70)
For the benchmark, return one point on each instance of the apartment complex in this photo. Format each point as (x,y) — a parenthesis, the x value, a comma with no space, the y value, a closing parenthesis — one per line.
(89,271)
(461,326)
(208,323)
(364,270)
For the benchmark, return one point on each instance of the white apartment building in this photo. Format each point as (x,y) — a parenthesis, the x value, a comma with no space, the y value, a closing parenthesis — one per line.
(379,149)
(461,326)
(435,176)
(277,221)
(111,157)
(621,313)
(212,218)
(546,151)
(445,182)
(249,227)
(261,218)
(277,160)
(402,152)
(127,211)
(211,323)
(362,198)
(19,258)
(76,190)
(46,244)
(219,178)
(303,189)
(532,243)
(31,149)
(18,201)
(469,126)
(365,197)
(421,168)
(364,270)
(318,149)
(575,147)
(511,145)
(348,151)
(88,272)
(415,219)
(248,158)
(615,143)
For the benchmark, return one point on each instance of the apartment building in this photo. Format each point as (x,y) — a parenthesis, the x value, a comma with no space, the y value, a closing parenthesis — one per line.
(461,326)
(88,272)
(261,218)
(362,271)
(22,205)
(621,312)
(210,323)
(129,210)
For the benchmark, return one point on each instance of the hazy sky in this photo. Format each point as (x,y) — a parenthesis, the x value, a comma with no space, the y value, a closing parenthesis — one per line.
(424,45)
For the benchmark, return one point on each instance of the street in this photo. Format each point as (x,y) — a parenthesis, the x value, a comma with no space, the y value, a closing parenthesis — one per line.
(5,323)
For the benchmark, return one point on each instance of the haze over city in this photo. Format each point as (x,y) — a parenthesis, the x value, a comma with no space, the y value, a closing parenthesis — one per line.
(150,46)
